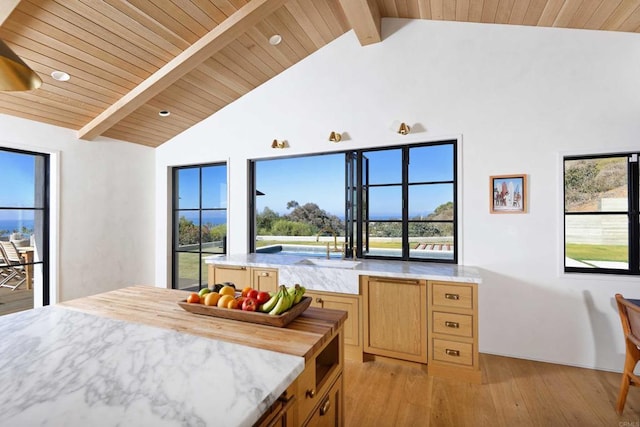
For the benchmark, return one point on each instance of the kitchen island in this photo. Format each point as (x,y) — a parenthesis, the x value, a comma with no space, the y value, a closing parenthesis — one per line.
(134,357)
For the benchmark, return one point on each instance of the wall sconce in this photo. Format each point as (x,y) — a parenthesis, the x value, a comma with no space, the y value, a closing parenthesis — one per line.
(335,137)
(278,144)
(404,129)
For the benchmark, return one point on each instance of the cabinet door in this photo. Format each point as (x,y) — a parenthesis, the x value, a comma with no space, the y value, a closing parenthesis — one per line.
(350,304)
(329,412)
(395,318)
(265,279)
(238,275)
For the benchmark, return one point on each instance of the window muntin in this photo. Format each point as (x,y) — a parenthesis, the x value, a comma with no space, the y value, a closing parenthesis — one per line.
(381,205)
(199,221)
(601,214)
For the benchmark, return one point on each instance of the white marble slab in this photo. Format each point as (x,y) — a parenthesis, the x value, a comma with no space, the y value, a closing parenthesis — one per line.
(60,367)
(295,269)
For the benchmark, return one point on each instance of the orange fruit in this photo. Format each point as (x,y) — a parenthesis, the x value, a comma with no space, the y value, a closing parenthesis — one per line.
(223,302)
(232,304)
(193,298)
(227,290)
(211,298)
(246,290)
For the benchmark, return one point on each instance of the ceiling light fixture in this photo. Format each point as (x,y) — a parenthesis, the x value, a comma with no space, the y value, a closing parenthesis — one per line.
(60,76)
(14,73)
(335,137)
(164,113)
(275,39)
(404,129)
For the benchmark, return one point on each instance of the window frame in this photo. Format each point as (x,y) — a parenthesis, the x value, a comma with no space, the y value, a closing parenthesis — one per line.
(354,233)
(46,211)
(632,213)
(175,224)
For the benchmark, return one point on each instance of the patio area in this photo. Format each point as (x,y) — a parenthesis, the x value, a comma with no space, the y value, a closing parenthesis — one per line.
(13,301)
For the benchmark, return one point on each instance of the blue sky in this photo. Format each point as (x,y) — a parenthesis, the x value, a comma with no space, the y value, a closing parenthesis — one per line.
(17,175)
(320,179)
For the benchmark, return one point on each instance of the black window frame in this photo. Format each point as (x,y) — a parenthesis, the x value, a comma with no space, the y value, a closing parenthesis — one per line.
(355,226)
(175,224)
(632,212)
(46,210)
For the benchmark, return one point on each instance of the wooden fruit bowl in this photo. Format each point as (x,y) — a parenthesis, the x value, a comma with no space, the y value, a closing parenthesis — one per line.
(279,321)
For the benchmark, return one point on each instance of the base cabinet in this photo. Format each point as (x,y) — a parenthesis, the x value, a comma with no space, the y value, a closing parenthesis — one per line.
(348,303)
(264,279)
(395,313)
(330,411)
(453,330)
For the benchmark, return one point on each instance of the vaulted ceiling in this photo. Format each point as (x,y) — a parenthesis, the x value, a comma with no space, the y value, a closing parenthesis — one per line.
(129,60)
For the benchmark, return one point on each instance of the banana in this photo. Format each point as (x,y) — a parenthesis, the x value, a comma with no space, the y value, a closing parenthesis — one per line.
(268,306)
(300,290)
(284,302)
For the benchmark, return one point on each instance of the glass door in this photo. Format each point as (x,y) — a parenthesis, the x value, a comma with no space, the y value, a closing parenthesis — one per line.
(24,225)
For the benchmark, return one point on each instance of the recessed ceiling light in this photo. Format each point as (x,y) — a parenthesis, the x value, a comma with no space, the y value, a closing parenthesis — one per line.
(60,76)
(275,39)
(164,113)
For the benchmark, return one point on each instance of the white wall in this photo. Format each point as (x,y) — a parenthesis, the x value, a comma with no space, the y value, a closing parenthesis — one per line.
(518,97)
(103,198)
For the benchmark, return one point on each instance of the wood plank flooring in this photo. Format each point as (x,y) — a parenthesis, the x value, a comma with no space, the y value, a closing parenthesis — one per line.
(17,300)
(514,392)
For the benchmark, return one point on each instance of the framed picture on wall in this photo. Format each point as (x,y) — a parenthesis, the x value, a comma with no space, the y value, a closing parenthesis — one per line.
(508,193)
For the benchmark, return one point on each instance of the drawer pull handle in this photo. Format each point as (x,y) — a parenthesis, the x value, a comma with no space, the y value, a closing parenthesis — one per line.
(452,296)
(450,352)
(325,407)
(265,274)
(454,325)
(319,300)
(310,393)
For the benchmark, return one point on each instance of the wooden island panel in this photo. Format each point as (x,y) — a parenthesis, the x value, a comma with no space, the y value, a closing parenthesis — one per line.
(159,307)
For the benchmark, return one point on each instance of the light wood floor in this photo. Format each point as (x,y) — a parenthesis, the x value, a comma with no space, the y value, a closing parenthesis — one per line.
(18,300)
(514,392)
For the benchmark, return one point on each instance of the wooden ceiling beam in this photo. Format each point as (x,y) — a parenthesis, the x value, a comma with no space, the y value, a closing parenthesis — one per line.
(6,7)
(364,18)
(214,41)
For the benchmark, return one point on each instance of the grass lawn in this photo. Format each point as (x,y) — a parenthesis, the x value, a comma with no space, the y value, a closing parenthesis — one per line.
(583,252)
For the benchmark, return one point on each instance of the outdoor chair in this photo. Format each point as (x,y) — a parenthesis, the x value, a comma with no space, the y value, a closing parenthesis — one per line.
(630,318)
(11,269)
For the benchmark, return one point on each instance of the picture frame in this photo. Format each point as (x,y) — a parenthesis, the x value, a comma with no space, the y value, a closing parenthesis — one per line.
(508,193)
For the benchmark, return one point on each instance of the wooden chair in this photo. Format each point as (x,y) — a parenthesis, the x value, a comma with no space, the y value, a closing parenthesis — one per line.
(13,269)
(630,318)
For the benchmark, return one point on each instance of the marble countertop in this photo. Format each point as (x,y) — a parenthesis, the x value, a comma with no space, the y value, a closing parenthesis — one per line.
(297,269)
(63,367)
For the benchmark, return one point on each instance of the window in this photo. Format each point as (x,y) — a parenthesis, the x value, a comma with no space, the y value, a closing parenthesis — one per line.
(388,203)
(199,222)
(24,225)
(601,214)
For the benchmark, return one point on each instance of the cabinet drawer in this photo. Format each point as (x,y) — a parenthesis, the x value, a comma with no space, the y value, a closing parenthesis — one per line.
(460,325)
(453,352)
(447,295)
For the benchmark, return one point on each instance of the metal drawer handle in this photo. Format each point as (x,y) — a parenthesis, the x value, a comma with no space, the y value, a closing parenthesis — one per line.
(454,325)
(450,352)
(310,393)
(452,296)
(325,407)
(265,274)
(319,300)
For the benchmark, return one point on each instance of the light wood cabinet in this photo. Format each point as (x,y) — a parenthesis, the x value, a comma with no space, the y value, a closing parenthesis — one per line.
(319,399)
(395,313)
(348,303)
(264,279)
(238,275)
(453,330)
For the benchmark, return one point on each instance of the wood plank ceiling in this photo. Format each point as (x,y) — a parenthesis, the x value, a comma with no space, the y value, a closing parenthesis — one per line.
(128,60)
